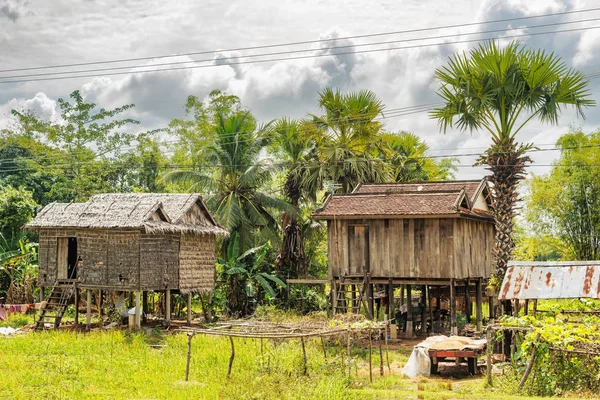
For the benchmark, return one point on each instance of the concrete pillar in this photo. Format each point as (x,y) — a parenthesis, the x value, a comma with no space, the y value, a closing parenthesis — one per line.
(189,309)
(138,310)
(88,315)
(168,306)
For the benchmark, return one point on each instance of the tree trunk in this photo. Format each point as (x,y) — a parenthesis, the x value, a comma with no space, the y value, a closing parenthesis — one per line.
(292,258)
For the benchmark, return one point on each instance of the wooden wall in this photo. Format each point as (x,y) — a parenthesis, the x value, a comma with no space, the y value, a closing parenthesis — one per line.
(412,248)
(197,263)
(159,270)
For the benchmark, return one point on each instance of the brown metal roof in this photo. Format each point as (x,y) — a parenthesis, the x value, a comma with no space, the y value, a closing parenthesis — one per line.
(471,187)
(413,199)
(551,280)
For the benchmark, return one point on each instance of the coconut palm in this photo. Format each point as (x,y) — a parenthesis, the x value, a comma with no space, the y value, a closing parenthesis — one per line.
(348,141)
(410,161)
(291,145)
(233,175)
(500,91)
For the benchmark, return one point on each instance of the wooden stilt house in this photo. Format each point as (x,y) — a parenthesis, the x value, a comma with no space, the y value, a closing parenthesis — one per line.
(437,235)
(126,242)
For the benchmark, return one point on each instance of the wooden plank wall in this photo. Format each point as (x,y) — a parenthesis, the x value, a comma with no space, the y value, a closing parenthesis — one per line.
(415,248)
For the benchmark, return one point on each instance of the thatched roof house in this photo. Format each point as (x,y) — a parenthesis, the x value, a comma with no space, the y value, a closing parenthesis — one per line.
(129,242)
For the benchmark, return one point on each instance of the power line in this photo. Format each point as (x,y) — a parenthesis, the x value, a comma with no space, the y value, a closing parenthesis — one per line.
(303,57)
(129,67)
(304,42)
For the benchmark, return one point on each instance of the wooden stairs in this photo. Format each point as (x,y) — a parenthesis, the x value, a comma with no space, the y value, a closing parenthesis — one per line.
(356,287)
(53,309)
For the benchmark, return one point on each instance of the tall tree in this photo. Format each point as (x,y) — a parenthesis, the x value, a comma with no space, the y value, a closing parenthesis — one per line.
(501,91)
(348,141)
(410,161)
(233,176)
(292,147)
(566,203)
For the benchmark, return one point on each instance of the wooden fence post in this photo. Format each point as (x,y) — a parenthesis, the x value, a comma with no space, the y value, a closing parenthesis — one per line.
(231,357)
(529,363)
(189,356)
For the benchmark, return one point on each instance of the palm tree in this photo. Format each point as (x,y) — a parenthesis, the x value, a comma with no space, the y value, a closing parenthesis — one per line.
(233,175)
(291,145)
(501,91)
(408,155)
(348,141)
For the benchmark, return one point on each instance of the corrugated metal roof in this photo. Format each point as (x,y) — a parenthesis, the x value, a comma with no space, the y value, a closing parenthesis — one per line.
(551,280)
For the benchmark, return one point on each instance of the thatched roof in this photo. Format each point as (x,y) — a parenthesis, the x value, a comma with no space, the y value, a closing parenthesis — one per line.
(154,212)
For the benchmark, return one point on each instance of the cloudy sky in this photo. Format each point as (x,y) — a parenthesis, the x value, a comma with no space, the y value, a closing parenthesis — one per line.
(36,33)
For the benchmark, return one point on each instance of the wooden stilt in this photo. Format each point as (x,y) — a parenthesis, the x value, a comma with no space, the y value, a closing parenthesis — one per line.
(534,310)
(491,305)
(478,301)
(168,306)
(409,316)
(423,310)
(138,310)
(370,300)
(77,296)
(402,294)
(468,310)
(189,309)
(526,307)
(391,310)
(88,315)
(101,303)
(429,298)
(453,326)
(145,302)
(333,297)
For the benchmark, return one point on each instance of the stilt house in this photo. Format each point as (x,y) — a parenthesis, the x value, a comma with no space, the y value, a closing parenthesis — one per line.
(129,242)
(437,234)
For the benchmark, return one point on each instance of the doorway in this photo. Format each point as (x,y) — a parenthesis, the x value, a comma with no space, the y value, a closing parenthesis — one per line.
(67,258)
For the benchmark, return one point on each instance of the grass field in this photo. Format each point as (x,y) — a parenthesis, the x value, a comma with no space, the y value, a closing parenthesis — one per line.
(124,365)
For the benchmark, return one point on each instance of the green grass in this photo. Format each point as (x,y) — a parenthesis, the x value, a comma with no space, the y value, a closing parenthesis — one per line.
(119,364)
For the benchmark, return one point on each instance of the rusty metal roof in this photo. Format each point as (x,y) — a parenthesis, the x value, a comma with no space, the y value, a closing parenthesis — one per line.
(551,280)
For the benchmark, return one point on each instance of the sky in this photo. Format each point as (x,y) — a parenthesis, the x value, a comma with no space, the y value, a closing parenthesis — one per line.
(36,33)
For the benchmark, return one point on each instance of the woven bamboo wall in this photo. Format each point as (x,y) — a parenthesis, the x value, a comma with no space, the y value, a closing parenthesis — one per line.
(197,263)
(159,269)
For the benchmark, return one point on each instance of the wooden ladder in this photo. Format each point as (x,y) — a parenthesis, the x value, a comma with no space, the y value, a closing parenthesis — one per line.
(53,309)
(357,286)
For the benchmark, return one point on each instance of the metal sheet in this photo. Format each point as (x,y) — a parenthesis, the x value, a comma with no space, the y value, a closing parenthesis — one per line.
(552,280)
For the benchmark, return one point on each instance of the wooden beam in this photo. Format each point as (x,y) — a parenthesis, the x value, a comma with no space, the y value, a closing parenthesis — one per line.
(309,281)
(478,305)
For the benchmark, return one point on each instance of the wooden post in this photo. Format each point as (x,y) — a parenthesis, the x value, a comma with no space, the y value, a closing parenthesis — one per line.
(387,355)
(77,295)
(304,354)
(429,298)
(478,301)
(453,327)
(516,306)
(355,304)
(467,302)
(381,353)
(189,309)
(491,304)
(42,293)
(101,303)
(349,350)
(324,349)
(489,350)
(409,319)
(370,300)
(168,306)
(145,302)
(231,357)
(333,297)
(529,363)
(424,310)
(391,313)
(534,311)
(370,355)
(189,356)
(138,311)
(88,315)
(402,294)
(526,309)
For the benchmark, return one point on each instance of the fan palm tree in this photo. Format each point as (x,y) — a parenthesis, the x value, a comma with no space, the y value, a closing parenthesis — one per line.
(410,162)
(233,175)
(500,91)
(348,141)
(291,145)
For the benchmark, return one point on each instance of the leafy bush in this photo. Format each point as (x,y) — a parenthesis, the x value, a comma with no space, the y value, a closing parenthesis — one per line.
(16,321)
(306,299)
